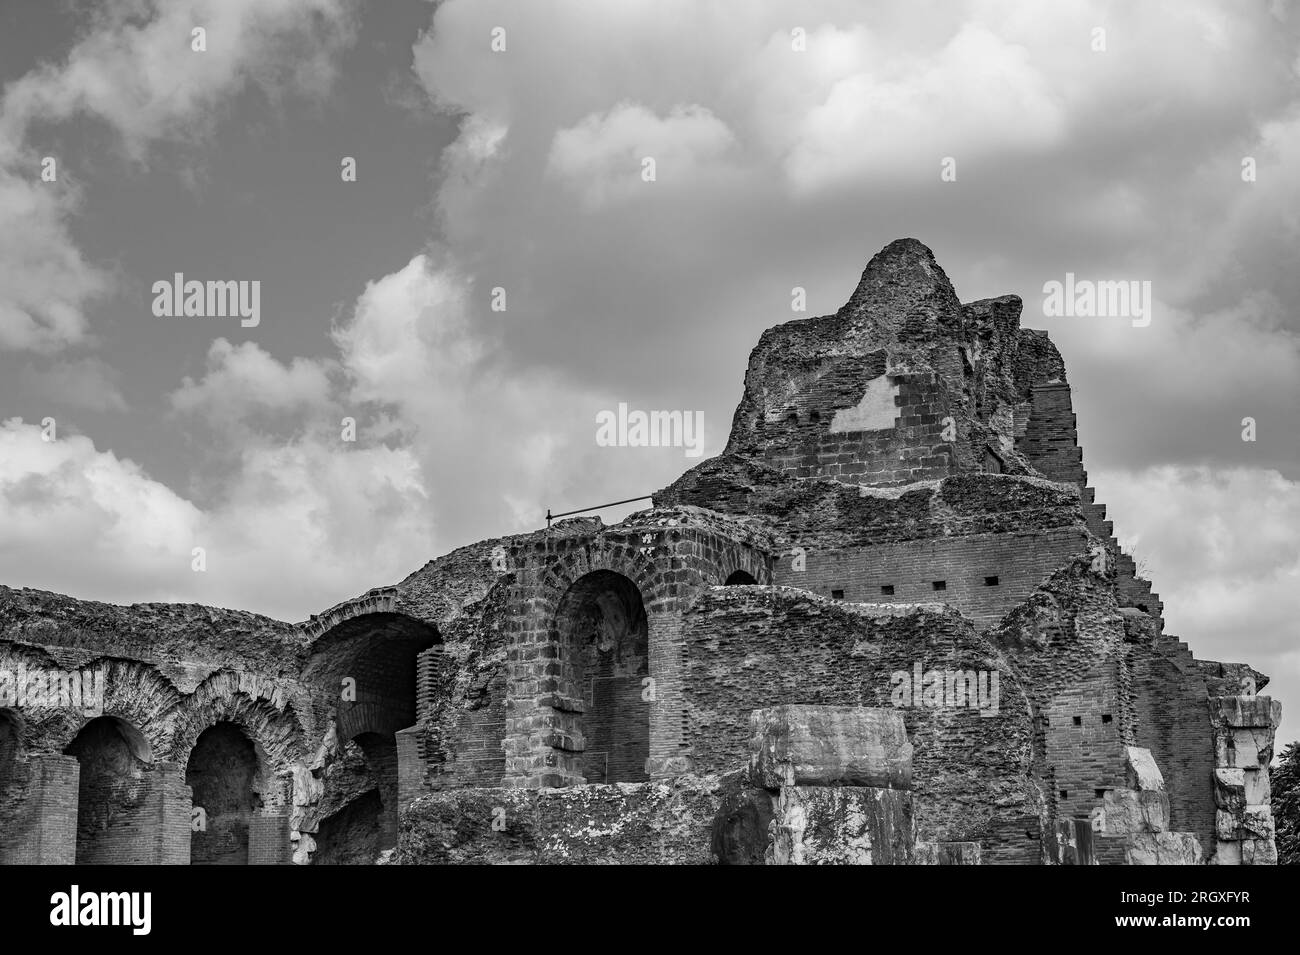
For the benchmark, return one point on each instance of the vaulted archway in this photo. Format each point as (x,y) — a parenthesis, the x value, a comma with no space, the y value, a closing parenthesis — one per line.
(224,776)
(368,664)
(112,793)
(601,633)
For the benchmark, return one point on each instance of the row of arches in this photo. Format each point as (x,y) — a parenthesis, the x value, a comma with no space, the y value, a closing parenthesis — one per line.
(600,632)
(119,790)
(116,764)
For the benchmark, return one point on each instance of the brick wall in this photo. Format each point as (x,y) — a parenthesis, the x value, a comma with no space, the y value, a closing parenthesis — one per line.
(41,828)
(1084,742)
(983,575)
(749,647)
(1173,722)
(815,434)
(268,839)
(663,557)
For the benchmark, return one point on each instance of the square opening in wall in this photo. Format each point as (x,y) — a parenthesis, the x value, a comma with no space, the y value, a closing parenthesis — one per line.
(940,585)
(1065,794)
(1099,793)
(1078,721)
(837,595)
(991,581)
(1105,717)
(887,589)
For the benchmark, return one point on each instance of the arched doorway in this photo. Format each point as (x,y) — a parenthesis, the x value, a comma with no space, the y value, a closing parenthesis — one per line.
(115,762)
(223,774)
(740,578)
(602,633)
(368,665)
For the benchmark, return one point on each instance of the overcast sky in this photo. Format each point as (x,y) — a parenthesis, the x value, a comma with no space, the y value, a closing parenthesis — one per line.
(1111,155)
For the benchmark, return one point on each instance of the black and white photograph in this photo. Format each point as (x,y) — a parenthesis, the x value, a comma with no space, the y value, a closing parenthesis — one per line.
(649,433)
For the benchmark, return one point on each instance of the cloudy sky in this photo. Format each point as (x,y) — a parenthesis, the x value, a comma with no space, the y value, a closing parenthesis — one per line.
(1156,142)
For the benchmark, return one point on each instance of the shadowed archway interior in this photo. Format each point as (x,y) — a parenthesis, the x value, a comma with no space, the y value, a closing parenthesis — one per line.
(602,634)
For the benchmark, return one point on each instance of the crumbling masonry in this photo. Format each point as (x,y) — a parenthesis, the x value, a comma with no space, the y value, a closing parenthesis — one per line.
(889,624)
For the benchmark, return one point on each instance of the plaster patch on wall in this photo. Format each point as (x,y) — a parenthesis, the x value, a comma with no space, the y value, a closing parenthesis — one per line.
(876,411)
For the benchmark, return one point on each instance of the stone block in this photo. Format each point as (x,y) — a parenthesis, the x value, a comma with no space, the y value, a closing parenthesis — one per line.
(742,828)
(1074,842)
(1163,848)
(1227,853)
(1248,711)
(1243,748)
(1230,790)
(1254,822)
(1258,787)
(1141,771)
(1258,852)
(842,825)
(829,745)
(1128,812)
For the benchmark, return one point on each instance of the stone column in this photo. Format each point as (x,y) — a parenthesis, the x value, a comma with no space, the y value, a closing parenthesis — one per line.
(1243,747)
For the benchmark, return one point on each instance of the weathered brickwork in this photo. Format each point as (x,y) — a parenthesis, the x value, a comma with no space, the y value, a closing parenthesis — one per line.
(983,575)
(759,646)
(896,561)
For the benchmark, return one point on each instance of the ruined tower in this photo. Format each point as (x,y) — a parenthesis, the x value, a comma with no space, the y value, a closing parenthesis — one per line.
(900,522)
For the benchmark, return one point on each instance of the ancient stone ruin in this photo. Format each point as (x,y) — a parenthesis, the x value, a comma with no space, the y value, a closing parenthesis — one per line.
(889,624)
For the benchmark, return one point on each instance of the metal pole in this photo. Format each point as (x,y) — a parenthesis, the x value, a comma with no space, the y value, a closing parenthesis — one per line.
(581,510)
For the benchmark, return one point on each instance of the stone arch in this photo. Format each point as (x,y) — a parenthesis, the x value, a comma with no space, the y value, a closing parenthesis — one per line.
(367,667)
(116,780)
(224,773)
(543,742)
(139,697)
(624,559)
(539,741)
(275,732)
(601,634)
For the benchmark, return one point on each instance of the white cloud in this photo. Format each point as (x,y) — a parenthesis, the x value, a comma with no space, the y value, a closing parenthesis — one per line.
(244,382)
(299,526)
(134,70)
(450,447)
(141,76)
(45,282)
(603,156)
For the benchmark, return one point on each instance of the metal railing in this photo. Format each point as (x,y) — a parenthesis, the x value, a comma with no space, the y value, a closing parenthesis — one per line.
(582,510)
